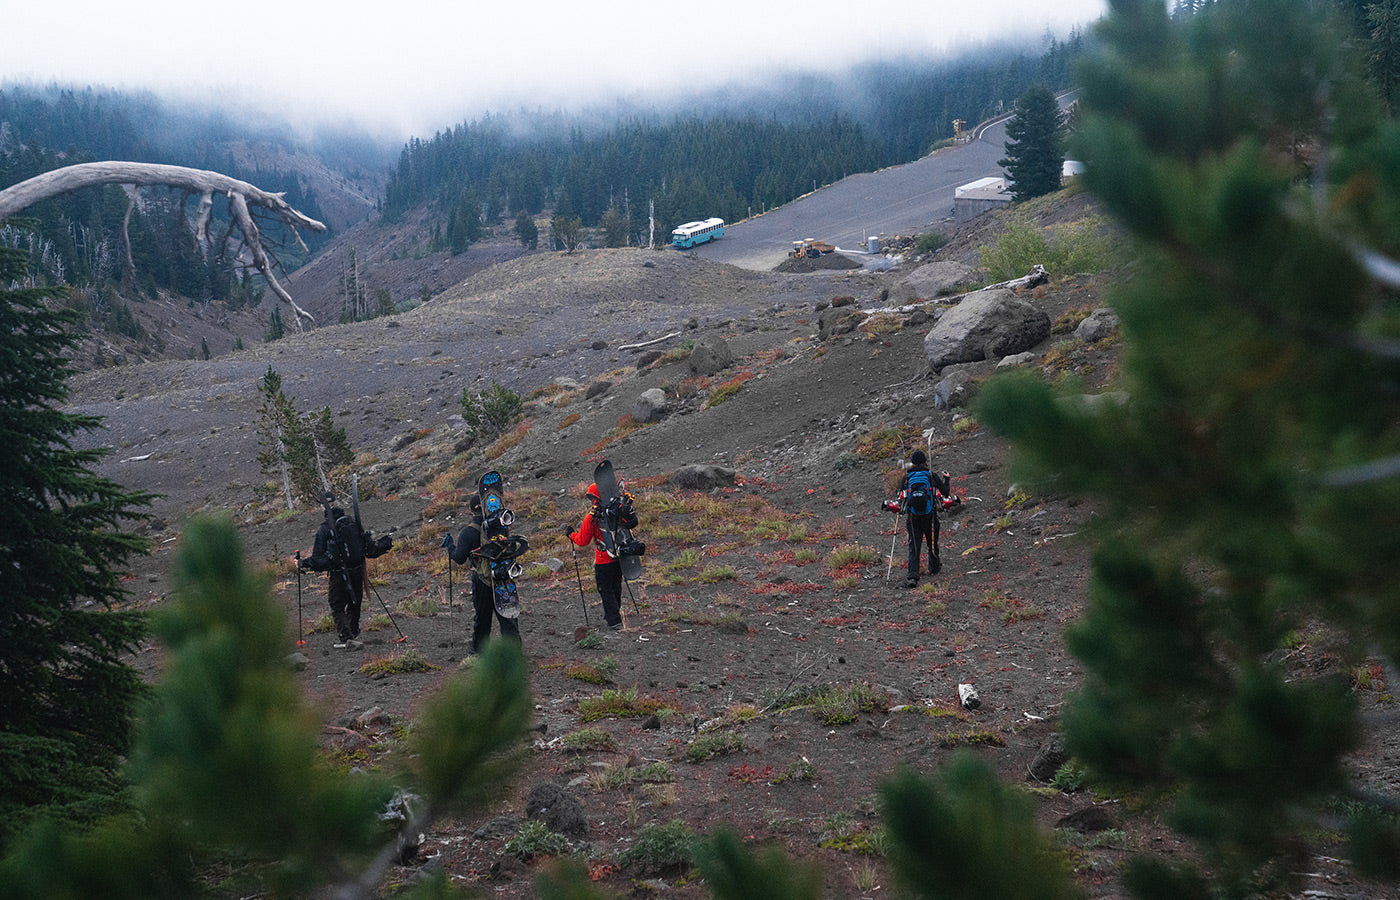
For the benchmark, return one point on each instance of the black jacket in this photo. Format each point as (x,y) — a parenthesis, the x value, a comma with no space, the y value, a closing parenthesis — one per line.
(350,547)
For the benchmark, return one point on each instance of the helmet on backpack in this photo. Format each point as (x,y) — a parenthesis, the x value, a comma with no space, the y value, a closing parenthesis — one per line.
(593,491)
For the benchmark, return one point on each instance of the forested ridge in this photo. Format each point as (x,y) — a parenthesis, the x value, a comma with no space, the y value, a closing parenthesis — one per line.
(757,152)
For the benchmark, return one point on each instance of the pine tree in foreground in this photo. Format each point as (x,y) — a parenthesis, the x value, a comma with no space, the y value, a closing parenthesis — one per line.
(66,697)
(225,768)
(1247,482)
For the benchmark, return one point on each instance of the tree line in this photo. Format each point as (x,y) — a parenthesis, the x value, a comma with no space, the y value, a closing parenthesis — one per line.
(761,151)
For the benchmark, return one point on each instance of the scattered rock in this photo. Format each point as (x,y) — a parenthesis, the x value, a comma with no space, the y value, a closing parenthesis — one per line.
(372,716)
(1048,759)
(702,477)
(651,406)
(597,389)
(497,828)
(838,320)
(1016,359)
(648,357)
(558,809)
(298,661)
(956,389)
(710,356)
(599,345)
(1099,324)
(1087,820)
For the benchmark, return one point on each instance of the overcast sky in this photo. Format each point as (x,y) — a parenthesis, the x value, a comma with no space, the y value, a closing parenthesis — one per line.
(414,66)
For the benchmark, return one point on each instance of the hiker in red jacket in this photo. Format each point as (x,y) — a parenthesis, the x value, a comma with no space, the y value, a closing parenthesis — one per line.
(607,571)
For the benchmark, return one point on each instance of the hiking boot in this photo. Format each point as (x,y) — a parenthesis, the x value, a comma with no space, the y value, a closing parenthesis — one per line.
(617,627)
(911,581)
(339,645)
(935,566)
(351,644)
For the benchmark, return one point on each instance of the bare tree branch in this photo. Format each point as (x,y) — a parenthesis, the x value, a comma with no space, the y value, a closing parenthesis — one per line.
(241,196)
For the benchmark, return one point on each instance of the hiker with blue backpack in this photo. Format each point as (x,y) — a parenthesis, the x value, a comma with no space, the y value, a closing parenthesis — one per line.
(921,493)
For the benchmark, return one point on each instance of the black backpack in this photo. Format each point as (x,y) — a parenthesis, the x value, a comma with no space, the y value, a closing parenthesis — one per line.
(918,498)
(349,542)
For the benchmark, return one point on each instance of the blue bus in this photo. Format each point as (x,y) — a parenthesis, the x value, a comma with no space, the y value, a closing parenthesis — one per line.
(692,233)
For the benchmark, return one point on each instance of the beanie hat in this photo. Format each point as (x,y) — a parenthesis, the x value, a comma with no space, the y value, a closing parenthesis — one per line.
(918,458)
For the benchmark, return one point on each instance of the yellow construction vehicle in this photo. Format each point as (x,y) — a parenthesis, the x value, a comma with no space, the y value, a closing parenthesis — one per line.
(810,248)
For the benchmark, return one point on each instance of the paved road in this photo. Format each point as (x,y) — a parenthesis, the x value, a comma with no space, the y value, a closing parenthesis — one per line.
(905,199)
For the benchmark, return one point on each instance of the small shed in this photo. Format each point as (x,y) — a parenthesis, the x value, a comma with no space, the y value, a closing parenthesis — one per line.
(977,197)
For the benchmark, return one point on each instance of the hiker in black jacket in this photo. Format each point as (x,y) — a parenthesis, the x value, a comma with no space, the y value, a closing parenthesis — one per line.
(483,597)
(920,494)
(340,550)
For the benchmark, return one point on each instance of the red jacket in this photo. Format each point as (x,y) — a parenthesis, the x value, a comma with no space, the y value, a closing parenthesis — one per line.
(589,533)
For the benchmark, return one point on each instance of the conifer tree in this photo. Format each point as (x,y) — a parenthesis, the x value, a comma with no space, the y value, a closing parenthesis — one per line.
(66,697)
(1034,145)
(225,766)
(1246,482)
(298,451)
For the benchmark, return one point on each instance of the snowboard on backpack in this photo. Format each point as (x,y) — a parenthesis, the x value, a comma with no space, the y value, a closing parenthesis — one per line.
(617,537)
(495,560)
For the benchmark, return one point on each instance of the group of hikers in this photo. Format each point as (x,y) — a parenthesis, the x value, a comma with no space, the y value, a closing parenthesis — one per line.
(342,546)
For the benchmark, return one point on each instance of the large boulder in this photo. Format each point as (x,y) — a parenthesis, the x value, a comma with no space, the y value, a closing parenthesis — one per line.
(989,324)
(710,356)
(932,280)
(651,406)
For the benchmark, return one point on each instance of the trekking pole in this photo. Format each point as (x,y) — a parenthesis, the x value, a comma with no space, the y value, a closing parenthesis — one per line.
(635,608)
(402,637)
(579,578)
(894,536)
(301,635)
(449,583)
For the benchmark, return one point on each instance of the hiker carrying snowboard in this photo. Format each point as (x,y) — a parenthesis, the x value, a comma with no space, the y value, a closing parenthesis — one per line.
(607,572)
(341,550)
(921,493)
(483,599)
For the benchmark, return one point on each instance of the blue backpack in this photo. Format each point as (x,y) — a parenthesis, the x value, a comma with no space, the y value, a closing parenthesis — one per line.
(918,498)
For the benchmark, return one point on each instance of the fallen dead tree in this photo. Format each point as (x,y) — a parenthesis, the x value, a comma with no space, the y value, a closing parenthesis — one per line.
(243,200)
(1034,278)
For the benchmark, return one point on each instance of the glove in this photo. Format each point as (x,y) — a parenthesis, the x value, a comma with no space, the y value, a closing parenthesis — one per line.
(568,532)
(384,543)
(447,540)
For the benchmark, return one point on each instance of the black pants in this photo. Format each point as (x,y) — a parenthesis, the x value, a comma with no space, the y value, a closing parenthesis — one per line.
(345,590)
(923,529)
(484,608)
(609,579)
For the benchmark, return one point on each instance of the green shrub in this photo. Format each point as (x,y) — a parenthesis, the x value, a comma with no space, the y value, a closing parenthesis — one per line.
(930,241)
(535,839)
(490,412)
(586,739)
(658,848)
(1062,249)
(713,744)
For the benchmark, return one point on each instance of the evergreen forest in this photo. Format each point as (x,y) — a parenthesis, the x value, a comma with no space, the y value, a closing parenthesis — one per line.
(732,161)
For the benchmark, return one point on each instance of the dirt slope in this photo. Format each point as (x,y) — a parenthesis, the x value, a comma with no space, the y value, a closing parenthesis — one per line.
(771,588)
